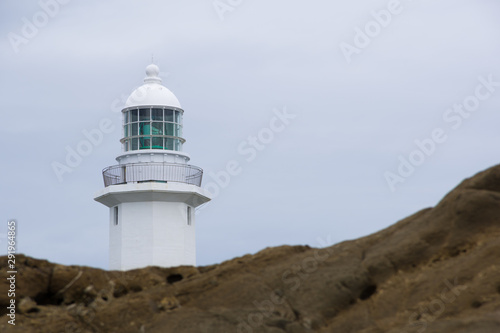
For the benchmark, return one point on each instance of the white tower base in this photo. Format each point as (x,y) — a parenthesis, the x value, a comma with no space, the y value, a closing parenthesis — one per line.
(152,224)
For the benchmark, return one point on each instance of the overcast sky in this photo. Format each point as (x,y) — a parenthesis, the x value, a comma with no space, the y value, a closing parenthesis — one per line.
(362,80)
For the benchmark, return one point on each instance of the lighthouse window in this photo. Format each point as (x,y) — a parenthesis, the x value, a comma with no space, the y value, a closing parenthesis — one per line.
(144,128)
(135,144)
(157,142)
(152,128)
(134,115)
(145,142)
(169,115)
(115,215)
(157,114)
(169,144)
(135,129)
(157,128)
(169,129)
(189,216)
(144,114)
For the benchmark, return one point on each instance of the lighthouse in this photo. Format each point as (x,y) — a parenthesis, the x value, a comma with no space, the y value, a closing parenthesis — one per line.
(153,191)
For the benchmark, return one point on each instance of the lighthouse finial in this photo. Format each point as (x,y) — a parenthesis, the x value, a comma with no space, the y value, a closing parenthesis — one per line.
(153,74)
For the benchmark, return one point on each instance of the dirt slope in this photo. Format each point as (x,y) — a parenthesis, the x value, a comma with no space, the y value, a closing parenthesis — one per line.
(437,271)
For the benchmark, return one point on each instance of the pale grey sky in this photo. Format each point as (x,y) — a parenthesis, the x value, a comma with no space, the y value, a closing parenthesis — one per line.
(322,176)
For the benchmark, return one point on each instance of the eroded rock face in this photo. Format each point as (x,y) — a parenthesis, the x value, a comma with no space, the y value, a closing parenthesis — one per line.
(437,271)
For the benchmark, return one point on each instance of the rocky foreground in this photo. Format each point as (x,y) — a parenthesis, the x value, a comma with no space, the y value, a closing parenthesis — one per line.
(435,271)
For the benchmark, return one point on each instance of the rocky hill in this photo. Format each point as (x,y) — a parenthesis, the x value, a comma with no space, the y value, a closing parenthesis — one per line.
(437,271)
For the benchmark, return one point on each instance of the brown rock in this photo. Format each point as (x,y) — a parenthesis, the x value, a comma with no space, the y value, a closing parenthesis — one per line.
(169,303)
(435,271)
(27,305)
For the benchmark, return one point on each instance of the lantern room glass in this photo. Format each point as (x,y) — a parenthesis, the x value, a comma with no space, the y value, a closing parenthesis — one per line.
(152,128)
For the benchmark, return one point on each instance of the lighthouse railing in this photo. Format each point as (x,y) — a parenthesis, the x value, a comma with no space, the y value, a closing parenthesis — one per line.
(152,172)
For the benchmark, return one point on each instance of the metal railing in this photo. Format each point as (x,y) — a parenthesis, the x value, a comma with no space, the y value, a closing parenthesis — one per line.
(152,172)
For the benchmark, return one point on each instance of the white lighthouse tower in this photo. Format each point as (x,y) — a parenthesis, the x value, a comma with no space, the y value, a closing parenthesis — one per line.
(153,191)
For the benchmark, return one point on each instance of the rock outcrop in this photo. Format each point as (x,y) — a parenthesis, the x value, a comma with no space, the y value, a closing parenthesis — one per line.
(437,271)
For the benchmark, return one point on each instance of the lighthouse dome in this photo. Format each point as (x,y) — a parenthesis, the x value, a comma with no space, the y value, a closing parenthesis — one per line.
(152,92)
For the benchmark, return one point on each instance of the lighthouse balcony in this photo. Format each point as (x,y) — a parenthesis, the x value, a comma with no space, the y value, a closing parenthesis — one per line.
(152,172)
